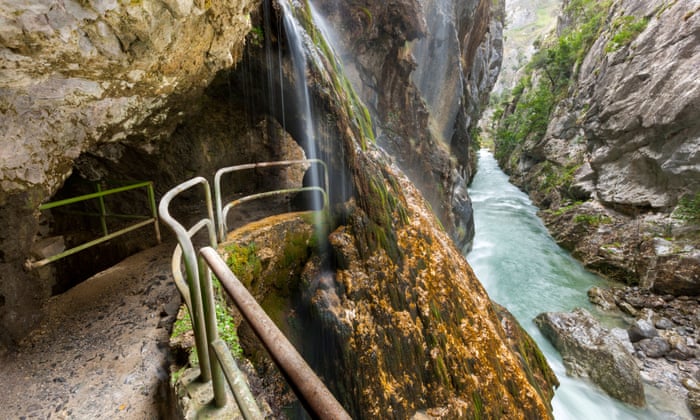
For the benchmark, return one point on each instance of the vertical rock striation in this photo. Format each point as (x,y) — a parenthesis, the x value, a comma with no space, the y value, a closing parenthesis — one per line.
(617,155)
(425,68)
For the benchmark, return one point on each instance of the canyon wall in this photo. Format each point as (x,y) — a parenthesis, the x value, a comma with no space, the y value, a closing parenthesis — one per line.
(424,69)
(612,154)
(166,90)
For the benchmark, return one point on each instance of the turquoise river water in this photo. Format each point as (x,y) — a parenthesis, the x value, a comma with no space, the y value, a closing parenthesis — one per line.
(523,269)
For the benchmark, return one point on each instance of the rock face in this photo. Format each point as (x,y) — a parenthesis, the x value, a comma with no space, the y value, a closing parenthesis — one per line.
(98,78)
(623,139)
(590,350)
(424,69)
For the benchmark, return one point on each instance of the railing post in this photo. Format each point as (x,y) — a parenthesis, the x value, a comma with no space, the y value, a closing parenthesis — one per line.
(192,270)
(103,210)
(154,209)
(212,332)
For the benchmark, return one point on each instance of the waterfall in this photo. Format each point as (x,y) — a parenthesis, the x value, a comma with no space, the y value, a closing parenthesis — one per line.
(302,100)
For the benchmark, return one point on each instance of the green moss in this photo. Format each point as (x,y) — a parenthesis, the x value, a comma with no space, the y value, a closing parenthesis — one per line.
(256,37)
(175,376)
(227,328)
(182,326)
(478,405)
(564,209)
(661,9)
(367,13)
(244,262)
(441,371)
(592,219)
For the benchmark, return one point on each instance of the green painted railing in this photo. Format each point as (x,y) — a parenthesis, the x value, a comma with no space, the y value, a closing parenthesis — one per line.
(103,215)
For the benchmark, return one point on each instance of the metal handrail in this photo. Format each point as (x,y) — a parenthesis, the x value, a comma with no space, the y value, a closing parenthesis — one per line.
(103,214)
(222,211)
(216,362)
(193,297)
(312,392)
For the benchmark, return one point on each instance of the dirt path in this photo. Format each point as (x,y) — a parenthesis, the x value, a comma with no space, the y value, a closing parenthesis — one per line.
(102,351)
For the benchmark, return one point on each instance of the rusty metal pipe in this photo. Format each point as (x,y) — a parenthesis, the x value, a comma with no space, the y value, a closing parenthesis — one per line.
(310,390)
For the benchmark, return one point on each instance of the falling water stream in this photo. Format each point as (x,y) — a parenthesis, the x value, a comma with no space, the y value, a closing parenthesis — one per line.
(523,269)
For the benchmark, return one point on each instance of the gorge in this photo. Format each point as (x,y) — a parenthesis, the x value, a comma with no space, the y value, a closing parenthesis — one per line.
(165,90)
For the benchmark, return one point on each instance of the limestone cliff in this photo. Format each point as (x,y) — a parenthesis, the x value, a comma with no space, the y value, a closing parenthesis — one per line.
(425,68)
(603,131)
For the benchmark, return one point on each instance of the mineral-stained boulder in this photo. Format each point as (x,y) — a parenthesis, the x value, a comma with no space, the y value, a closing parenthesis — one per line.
(590,350)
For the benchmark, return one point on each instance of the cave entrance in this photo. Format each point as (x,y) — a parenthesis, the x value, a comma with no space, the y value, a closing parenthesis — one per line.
(90,226)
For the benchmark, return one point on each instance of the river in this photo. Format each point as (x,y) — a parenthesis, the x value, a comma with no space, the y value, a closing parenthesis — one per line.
(523,269)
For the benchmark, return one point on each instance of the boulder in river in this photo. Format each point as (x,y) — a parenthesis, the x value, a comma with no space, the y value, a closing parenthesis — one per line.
(591,350)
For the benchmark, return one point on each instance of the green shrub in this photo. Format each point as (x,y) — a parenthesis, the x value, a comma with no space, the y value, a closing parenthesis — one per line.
(689,208)
(592,219)
(557,61)
(627,28)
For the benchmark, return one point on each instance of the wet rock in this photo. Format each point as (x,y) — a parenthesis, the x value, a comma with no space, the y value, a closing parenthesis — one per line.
(693,402)
(663,323)
(602,297)
(591,350)
(624,339)
(678,274)
(679,349)
(640,330)
(627,308)
(653,347)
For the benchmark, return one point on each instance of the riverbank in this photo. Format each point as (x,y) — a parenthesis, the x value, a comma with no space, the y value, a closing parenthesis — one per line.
(524,269)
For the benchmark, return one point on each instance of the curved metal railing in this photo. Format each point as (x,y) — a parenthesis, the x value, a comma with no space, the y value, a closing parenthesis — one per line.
(222,210)
(195,286)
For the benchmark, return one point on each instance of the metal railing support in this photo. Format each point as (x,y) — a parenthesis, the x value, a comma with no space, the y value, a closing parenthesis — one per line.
(222,211)
(103,210)
(236,380)
(196,288)
(191,266)
(309,388)
(212,333)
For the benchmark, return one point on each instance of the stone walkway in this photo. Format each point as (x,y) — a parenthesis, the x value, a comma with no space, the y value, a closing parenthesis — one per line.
(102,351)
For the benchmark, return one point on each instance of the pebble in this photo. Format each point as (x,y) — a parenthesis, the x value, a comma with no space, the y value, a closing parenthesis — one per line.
(663,324)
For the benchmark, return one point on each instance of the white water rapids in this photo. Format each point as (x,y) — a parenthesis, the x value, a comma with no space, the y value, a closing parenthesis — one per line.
(523,269)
